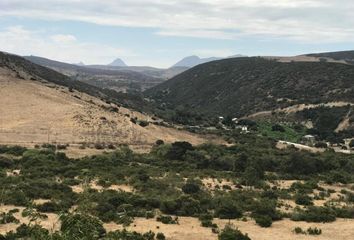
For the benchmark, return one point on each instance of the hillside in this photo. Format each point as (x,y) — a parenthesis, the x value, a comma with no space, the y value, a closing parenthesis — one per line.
(39,105)
(244,86)
(347,56)
(111,77)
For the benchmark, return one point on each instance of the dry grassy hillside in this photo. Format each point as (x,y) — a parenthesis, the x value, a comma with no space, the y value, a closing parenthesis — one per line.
(41,112)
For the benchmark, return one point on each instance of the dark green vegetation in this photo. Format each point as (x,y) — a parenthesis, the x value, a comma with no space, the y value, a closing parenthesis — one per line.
(310,231)
(230,233)
(326,120)
(243,86)
(168,183)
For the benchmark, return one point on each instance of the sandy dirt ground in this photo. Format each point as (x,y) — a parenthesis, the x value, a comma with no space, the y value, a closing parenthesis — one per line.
(52,223)
(189,228)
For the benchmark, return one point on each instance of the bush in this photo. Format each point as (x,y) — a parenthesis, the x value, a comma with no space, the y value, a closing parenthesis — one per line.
(278,128)
(314,214)
(264,221)
(48,207)
(160,236)
(314,231)
(29,232)
(167,220)
(61,147)
(207,220)
(5,162)
(303,199)
(230,233)
(99,146)
(321,145)
(6,218)
(351,144)
(126,235)
(190,188)
(13,150)
(159,142)
(143,123)
(178,149)
(228,210)
(298,230)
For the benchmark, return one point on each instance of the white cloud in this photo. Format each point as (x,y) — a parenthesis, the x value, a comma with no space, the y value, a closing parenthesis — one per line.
(301,20)
(61,47)
(63,38)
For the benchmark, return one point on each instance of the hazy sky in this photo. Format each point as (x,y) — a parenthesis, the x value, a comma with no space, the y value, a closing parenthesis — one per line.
(160,32)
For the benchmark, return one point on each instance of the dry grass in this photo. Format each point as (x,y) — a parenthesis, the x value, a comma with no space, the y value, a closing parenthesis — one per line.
(189,228)
(94,185)
(52,223)
(213,184)
(33,112)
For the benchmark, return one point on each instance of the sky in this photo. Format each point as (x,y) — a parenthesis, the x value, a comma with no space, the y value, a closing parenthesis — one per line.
(161,32)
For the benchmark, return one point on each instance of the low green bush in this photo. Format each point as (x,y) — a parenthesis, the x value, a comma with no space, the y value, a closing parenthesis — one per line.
(231,233)
(167,219)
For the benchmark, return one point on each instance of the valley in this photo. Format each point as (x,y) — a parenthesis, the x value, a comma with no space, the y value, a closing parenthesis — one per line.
(252,147)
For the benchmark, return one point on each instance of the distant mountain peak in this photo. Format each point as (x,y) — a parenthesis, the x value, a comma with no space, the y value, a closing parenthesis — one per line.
(118,63)
(192,61)
(80,64)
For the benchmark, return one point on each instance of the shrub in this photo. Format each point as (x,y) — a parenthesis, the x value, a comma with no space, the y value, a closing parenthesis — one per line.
(206,220)
(230,233)
(134,120)
(314,231)
(143,123)
(61,147)
(111,146)
(6,218)
(278,128)
(314,214)
(321,145)
(48,207)
(190,188)
(160,236)
(178,149)
(5,162)
(303,199)
(126,235)
(228,210)
(298,230)
(49,146)
(29,232)
(99,146)
(264,220)
(159,142)
(13,150)
(167,220)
